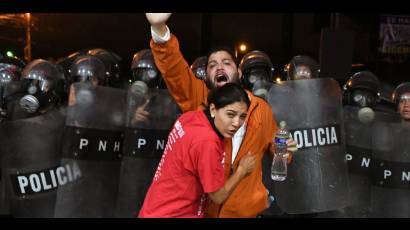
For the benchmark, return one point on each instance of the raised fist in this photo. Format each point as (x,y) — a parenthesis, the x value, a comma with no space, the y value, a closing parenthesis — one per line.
(157,19)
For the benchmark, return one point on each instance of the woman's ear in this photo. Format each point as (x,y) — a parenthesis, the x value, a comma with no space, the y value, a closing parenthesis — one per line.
(212,110)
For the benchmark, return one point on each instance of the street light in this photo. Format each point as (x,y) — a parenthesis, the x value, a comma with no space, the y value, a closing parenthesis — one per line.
(10,54)
(24,21)
(242,48)
(27,47)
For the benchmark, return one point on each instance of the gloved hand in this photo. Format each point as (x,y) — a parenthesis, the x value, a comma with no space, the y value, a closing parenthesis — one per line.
(140,115)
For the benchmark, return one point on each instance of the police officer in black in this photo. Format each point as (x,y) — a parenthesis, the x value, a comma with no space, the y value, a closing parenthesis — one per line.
(96,66)
(11,87)
(257,70)
(302,67)
(144,69)
(362,90)
(30,139)
(401,97)
(43,87)
(146,83)
(112,63)
(88,69)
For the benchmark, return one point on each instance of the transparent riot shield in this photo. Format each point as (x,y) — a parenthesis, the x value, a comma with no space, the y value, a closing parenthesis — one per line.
(150,117)
(359,154)
(390,170)
(358,157)
(31,152)
(4,202)
(317,176)
(273,210)
(92,149)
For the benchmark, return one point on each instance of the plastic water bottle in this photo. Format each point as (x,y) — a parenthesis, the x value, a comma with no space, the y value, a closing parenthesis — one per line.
(279,168)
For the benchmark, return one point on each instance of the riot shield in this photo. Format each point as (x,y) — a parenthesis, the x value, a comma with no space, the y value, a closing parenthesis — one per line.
(31,154)
(273,210)
(92,148)
(359,154)
(144,142)
(10,101)
(317,176)
(390,170)
(4,202)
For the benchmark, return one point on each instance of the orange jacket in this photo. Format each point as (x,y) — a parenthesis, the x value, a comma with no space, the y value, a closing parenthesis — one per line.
(250,196)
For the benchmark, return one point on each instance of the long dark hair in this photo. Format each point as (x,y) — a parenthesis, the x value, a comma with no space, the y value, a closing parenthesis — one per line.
(226,95)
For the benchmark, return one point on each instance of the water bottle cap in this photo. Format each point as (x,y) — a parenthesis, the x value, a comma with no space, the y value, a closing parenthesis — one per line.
(282,124)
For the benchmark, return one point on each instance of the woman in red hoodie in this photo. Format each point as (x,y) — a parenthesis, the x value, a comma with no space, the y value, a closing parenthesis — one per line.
(191,170)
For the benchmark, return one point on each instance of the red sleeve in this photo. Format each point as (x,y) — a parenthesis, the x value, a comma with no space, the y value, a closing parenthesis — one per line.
(188,91)
(210,165)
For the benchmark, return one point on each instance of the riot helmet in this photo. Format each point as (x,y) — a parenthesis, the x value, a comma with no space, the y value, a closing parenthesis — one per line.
(399,92)
(11,86)
(90,69)
(302,67)
(44,84)
(401,97)
(257,70)
(198,67)
(10,69)
(112,65)
(256,65)
(64,65)
(362,90)
(144,69)
(66,62)
(67,81)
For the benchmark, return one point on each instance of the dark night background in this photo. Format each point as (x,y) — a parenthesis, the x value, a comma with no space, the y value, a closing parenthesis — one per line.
(281,35)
